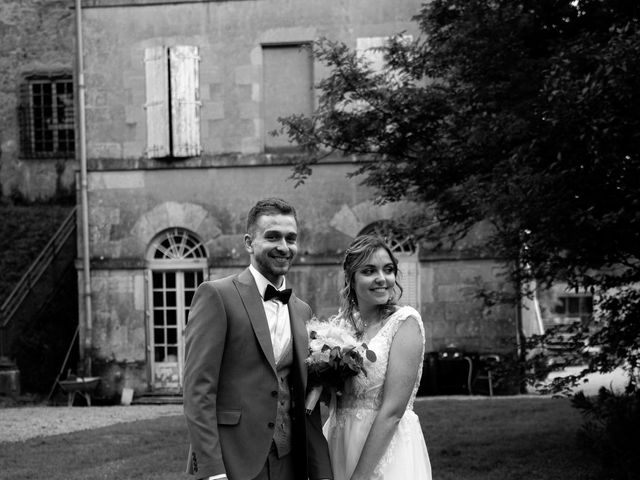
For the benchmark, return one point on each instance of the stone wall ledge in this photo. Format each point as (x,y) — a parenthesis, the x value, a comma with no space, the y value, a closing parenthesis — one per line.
(207,161)
(134,3)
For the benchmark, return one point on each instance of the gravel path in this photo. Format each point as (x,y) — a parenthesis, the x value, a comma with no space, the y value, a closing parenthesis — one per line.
(23,423)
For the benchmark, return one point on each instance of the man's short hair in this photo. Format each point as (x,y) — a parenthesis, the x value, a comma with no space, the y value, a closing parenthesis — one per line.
(269,206)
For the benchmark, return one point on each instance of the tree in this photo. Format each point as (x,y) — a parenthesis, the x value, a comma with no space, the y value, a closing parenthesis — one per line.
(521,113)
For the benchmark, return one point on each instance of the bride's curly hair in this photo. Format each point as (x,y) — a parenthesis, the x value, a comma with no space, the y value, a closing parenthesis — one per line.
(356,255)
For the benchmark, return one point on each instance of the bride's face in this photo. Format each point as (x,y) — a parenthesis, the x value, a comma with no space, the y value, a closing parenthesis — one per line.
(374,280)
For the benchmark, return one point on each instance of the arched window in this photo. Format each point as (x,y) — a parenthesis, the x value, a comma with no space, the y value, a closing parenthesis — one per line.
(404,247)
(176,244)
(177,261)
(399,241)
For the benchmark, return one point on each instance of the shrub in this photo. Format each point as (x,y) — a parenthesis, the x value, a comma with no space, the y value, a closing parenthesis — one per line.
(612,430)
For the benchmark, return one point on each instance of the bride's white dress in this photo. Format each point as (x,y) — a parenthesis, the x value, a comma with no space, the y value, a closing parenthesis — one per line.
(347,427)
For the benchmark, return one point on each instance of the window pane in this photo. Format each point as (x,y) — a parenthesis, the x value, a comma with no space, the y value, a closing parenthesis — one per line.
(586,305)
(574,306)
(158,354)
(172,336)
(188,298)
(158,317)
(170,298)
(157,280)
(561,306)
(190,279)
(158,336)
(158,299)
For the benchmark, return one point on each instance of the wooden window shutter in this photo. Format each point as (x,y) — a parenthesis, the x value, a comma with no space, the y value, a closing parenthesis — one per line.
(157,106)
(185,100)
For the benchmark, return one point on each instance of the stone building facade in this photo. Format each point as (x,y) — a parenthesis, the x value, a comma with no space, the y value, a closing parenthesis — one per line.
(181,97)
(37,159)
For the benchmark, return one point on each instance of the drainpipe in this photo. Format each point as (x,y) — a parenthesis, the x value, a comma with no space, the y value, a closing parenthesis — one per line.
(85,345)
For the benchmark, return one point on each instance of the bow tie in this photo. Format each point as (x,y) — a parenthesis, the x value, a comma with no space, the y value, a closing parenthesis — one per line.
(283,295)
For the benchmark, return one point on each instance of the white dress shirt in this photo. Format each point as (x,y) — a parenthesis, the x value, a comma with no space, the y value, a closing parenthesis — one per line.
(277,315)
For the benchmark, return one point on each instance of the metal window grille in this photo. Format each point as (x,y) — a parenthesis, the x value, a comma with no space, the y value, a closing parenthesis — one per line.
(47,117)
(177,244)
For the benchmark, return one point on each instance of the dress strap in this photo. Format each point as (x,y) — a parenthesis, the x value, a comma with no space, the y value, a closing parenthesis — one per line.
(401,315)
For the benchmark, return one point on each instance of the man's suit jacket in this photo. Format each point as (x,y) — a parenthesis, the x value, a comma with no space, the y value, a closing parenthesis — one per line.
(231,387)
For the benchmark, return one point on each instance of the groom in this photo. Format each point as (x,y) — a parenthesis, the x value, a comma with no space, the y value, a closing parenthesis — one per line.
(244,375)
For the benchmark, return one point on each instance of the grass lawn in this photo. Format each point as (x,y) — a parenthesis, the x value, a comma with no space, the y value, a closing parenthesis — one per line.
(492,439)
(504,439)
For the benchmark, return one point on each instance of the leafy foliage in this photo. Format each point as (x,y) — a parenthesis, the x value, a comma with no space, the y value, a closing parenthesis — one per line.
(612,430)
(523,114)
(42,340)
(24,231)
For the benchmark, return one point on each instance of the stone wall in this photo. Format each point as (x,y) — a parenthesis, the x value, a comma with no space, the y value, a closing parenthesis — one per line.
(35,37)
(229,36)
(128,209)
(133,198)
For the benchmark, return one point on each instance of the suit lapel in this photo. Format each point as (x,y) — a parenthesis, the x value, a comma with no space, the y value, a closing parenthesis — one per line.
(299,338)
(252,301)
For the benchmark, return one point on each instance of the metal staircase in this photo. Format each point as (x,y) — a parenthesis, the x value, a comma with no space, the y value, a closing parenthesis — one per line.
(47,264)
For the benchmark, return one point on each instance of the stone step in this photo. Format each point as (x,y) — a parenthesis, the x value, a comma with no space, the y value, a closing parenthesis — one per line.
(157,399)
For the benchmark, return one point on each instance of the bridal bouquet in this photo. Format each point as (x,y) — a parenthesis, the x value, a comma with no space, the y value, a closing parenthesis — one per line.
(334,356)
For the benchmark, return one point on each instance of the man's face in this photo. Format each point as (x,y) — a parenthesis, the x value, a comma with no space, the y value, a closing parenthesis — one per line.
(272,245)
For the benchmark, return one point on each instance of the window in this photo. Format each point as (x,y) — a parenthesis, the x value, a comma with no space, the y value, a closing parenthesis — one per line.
(405,249)
(371,50)
(173,101)
(177,261)
(288,88)
(569,309)
(177,244)
(47,116)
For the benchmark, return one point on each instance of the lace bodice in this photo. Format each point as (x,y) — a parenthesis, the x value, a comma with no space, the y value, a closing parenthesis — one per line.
(365,392)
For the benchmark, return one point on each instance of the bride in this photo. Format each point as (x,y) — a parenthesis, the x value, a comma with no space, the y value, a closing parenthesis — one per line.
(373,434)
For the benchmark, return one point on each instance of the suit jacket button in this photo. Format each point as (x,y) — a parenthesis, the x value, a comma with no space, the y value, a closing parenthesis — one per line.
(274,393)
(271,424)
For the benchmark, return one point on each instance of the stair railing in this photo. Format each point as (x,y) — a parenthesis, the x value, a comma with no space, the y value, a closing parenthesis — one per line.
(32,275)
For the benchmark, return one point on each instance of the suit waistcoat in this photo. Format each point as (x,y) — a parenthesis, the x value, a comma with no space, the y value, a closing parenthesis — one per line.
(282,433)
